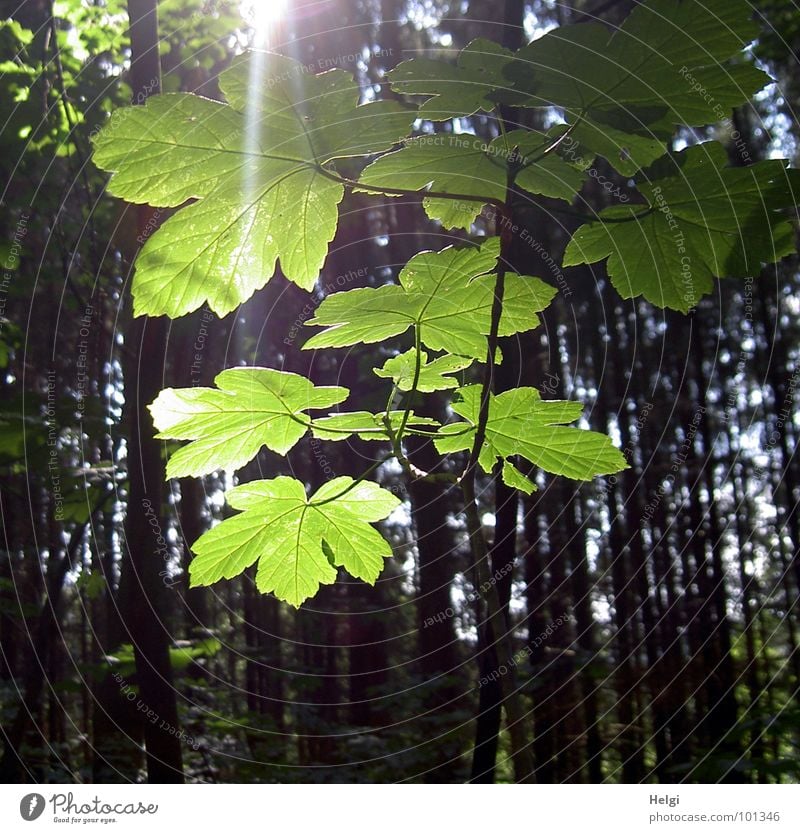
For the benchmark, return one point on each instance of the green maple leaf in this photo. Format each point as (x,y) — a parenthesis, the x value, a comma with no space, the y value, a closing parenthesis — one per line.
(449,164)
(251,407)
(446,295)
(256,167)
(705,220)
(140,145)
(514,478)
(366,425)
(670,63)
(463,165)
(459,89)
(290,535)
(626,150)
(521,423)
(433,374)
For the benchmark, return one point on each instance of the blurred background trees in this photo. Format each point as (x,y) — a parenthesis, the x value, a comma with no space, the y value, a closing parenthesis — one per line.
(660,606)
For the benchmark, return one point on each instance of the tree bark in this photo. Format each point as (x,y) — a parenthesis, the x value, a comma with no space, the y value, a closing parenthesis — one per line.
(145,597)
(45,636)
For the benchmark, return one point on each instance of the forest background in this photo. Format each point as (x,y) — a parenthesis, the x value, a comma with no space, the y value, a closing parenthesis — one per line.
(656,610)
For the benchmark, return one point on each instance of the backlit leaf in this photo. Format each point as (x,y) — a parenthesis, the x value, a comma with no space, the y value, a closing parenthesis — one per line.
(520,422)
(514,478)
(449,164)
(466,166)
(459,89)
(366,425)
(433,375)
(251,407)
(705,220)
(286,532)
(447,295)
(670,63)
(256,167)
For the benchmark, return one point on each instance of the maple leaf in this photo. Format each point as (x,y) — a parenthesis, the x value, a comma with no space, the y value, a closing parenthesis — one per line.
(291,535)
(251,407)
(256,167)
(522,423)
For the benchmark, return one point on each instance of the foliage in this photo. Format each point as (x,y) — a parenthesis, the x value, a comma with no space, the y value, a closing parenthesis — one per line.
(259,179)
(454,91)
(445,296)
(249,408)
(521,423)
(267,171)
(297,541)
(639,80)
(703,220)
(463,165)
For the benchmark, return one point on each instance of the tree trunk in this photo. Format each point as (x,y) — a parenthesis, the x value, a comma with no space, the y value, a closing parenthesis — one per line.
(145,597)
(45,636)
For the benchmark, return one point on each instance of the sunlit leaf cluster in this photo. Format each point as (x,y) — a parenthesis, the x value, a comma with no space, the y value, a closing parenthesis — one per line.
(256,182)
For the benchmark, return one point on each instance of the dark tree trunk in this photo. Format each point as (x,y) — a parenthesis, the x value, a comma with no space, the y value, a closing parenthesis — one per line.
(438,648)
(587,644)
(145,596)
(44,637)
(502,554)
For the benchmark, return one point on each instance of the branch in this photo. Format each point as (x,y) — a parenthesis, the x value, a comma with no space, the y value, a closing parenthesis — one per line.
(553,145)
(414,383)
(360,479)
(500,638)
(406,192)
